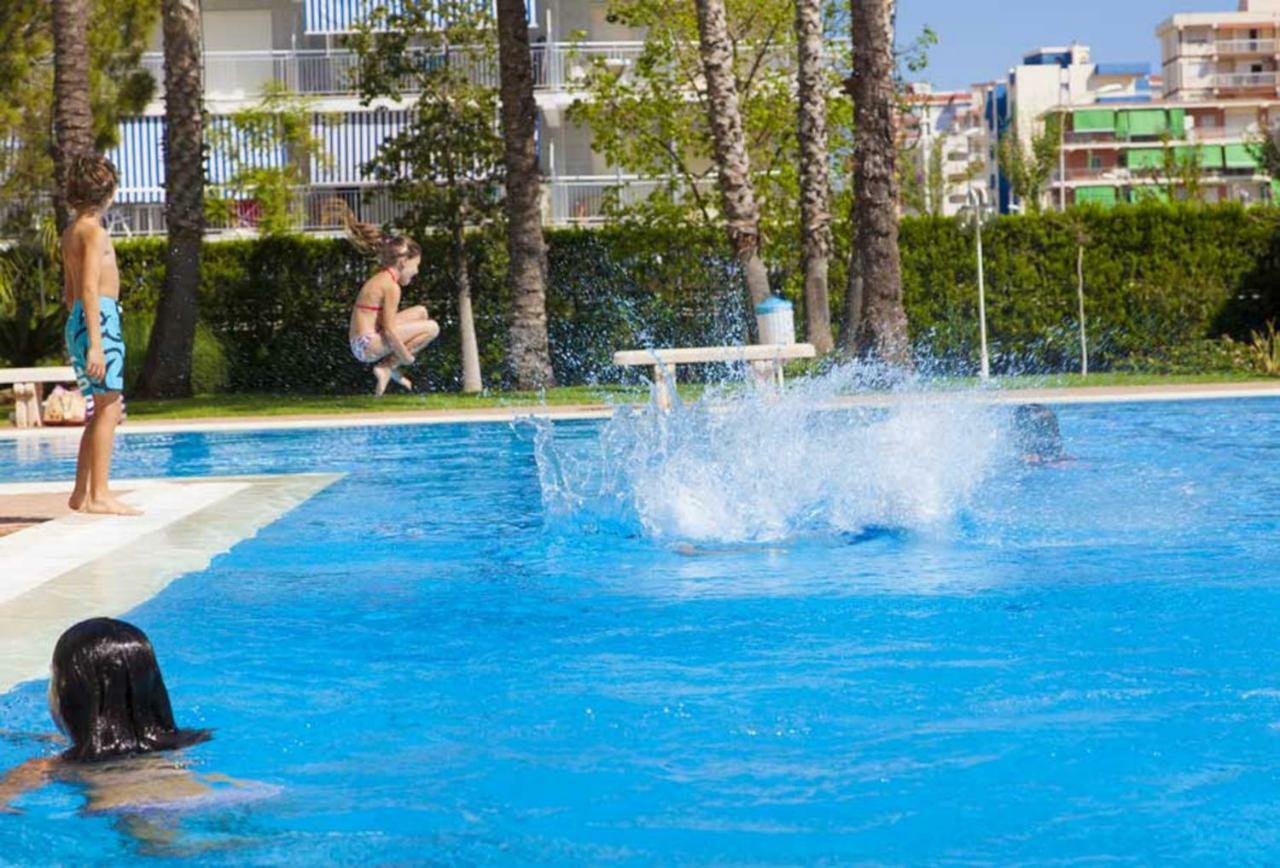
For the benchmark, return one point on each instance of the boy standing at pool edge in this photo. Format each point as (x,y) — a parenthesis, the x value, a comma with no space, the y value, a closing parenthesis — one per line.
(95,342)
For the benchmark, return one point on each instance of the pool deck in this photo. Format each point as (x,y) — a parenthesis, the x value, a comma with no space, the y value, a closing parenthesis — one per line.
(1060,396)
(61,566)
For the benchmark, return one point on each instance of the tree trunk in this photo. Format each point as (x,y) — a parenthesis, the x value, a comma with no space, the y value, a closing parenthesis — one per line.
(742,216)
(1084,343)
(815,182)
(530,359)
(852,308)
(471,381)
(167,370)
(72,110)
(883,329)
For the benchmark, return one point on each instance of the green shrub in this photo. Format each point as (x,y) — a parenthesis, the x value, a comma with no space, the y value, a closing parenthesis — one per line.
(210,371)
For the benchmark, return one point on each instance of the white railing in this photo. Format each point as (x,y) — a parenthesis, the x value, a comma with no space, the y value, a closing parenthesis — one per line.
(237,74)
(1245,46)
(1245,79)
(581,200)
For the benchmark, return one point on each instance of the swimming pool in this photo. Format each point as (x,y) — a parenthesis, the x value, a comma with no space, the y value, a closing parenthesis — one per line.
(435,665)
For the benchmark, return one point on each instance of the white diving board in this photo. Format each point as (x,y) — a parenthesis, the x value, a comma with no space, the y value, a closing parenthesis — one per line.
(766,362)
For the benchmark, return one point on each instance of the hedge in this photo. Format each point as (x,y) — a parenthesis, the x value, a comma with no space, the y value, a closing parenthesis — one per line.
(1158,279)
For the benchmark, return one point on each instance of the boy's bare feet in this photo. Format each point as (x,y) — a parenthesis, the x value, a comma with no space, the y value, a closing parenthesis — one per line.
(76,501)
(382,374)
(110,505)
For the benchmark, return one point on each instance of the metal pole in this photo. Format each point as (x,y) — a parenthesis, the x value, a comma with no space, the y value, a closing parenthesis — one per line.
(982,289)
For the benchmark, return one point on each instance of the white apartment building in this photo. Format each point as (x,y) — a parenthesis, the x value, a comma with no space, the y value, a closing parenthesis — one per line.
(1050,79)
(1219,94)
(947,123)
(298,43)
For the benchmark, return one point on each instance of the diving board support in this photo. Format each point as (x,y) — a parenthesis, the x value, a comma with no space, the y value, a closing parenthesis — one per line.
(766,362)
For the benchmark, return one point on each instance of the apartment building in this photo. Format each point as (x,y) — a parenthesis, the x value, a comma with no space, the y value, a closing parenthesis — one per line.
(1050,79)
(947,125)
(1219,91)
(299,44)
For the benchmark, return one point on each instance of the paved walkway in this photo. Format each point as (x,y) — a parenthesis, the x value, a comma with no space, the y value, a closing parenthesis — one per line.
(63,567)
(1070,395)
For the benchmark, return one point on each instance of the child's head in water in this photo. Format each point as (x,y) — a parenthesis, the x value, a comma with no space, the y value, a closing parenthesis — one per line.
(397,252)
(107,695)
(1037,433)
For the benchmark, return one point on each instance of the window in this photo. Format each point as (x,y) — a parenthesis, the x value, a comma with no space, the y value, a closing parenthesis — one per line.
(1095,162)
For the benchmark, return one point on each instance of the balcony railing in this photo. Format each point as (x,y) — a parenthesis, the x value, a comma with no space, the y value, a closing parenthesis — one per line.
(237,74)
(1245,79)
(1245,46)
(567,201)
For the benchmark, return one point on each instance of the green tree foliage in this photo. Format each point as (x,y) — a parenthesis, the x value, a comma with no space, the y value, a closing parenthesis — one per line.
(279,123)
(119,88)
(650,118)
(1029,169)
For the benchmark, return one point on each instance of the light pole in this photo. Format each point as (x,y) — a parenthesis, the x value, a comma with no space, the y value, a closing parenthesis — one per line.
(975,202)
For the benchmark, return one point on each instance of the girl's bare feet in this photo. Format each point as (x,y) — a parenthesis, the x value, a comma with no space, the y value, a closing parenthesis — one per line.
(401,379)
(76,501)
(382,374)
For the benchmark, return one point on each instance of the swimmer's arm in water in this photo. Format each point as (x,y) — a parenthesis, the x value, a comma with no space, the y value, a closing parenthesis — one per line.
(390,307)
(31,775)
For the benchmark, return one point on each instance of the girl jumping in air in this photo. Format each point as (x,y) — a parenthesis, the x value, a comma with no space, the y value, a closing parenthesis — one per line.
(381,334)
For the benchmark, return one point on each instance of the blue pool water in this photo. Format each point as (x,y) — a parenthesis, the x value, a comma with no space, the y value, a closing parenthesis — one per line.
(458,654)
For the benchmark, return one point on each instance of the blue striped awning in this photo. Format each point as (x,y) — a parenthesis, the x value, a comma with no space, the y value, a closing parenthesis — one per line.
(234,153)
(339,16)
(139,160)
(350,141)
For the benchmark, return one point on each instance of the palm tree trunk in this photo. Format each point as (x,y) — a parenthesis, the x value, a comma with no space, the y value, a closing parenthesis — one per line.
(72,110)
(167,370)
(883,328)
(471,381)
(815,182)
(530,359)
(742,216)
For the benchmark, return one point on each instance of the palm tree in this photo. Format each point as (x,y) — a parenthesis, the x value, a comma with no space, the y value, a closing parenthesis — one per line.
(882,329)
(815,181)
(72,110)
(167,370)
(737,196)
(530,359)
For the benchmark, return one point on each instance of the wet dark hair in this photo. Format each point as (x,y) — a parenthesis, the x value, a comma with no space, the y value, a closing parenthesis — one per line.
(1036,431)
(91,182)
(390,250)
(110,695)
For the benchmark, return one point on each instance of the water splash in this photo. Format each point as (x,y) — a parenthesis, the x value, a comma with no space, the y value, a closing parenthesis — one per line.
(746,466)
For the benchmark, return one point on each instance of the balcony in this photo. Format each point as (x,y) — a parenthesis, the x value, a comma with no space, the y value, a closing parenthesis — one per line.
(1245,80)
(1245,46)
(567,201)
(241,74)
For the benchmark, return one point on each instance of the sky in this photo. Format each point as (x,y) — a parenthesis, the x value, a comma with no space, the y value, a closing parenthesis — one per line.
(979,40)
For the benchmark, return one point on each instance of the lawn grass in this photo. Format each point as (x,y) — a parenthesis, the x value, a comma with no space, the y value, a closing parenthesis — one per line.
(248,405)
(288,405)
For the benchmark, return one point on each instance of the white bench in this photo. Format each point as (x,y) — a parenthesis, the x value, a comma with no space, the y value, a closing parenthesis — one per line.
(28,390)
(766,362)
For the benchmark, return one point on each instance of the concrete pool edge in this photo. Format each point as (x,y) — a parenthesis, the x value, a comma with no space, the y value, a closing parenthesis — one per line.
(1055,395)
(135,571)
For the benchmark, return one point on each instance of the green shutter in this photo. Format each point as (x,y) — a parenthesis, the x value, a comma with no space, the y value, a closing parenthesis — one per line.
(1240,157)
(1146,122)
(1148,194)
(1105,196)
(1177,122)
(1122,125)
(1211,156)
(1145,158)
(1094,121)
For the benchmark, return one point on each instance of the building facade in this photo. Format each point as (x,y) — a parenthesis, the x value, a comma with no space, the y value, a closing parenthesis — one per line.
(299,44)
(943,136)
